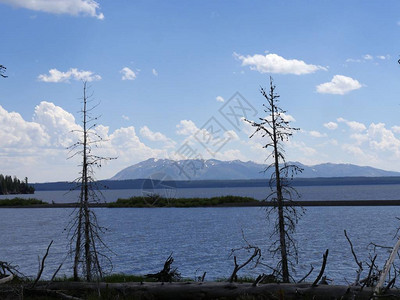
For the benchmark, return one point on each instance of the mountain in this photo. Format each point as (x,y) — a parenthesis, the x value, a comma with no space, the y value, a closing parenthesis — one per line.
(212,169)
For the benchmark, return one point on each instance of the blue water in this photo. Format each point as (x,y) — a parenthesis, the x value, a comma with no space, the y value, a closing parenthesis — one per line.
(339,192)
(201,239)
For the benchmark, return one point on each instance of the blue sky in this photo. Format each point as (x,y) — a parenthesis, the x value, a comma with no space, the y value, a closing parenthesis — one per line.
(166,72)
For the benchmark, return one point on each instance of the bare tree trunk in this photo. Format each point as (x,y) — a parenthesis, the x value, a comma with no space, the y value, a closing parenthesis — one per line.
(282,231)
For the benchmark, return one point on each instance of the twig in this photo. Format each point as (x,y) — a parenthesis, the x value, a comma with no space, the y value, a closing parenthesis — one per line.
(308,274)
(42,265)
(367,280)
(325,258)
(359,263)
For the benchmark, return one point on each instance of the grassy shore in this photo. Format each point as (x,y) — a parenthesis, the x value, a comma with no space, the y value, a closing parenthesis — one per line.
(21,202)
(185,202)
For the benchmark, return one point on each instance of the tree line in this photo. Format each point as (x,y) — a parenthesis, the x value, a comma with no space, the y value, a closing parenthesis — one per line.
(9,185)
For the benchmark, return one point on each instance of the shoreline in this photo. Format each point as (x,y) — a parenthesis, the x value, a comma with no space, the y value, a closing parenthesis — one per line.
(304,203)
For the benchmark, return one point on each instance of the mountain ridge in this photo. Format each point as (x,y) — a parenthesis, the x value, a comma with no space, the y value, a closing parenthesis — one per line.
(214,169)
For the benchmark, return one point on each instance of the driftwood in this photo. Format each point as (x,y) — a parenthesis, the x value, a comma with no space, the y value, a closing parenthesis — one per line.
(167,274)
(321,272)
(197,290)
(256,254)
(387,267)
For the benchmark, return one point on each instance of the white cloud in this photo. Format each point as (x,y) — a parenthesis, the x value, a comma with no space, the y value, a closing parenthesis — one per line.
(127,74)
(155,73)
(355,126)
(303,148)
(186,127)
(70,7)
(396,129)
(353,60)
(273,63)
(317,134)
(39,147)
(219,99)
(331,125)
(18,133)
(339,85)
(157,137)
(73,73)
(383,139)
(126,118)
(57,123)
(354,150)
(288,118)
(368,57)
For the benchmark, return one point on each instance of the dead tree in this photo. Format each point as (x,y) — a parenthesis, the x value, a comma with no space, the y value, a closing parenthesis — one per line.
(276,128)
(85,231)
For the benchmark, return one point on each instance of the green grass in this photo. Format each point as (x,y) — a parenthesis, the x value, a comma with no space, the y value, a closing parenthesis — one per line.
(183,202)
(21,202)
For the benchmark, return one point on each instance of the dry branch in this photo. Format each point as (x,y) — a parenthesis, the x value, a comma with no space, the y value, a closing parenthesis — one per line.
(321,272)
(41,265)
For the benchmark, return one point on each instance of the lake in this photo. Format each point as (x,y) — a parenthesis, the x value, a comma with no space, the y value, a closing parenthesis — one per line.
(201,239)
(338,192)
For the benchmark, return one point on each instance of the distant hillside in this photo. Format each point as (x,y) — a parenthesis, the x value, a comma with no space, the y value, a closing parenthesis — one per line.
(213,169)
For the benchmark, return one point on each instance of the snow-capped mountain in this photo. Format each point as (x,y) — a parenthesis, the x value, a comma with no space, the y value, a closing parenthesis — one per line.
(213,169)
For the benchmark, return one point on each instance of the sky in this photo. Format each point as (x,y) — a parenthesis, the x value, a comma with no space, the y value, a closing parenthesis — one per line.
(174,79)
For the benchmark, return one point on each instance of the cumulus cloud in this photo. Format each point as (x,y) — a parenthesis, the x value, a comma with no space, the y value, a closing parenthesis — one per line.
(396,129)
(339,85)
(126,118)
(331,125)
(57,123)
(71,7)
(73,73)
(186,127)
(383,139)
(156,137)
(16,132)
(219,99)
(128,74)
(273,63)
(40,145)
(356,126)
(155,73)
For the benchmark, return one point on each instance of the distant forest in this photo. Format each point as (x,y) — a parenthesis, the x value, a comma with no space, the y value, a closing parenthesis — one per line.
(9,185)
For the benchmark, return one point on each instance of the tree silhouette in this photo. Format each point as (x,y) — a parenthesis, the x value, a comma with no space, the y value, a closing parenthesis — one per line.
(277,130)
(86,239)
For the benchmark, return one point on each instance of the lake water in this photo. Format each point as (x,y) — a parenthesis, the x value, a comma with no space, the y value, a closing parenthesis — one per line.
(338,192)
(201,239)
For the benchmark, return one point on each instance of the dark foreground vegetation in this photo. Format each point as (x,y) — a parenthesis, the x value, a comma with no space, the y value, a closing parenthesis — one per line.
(9,186)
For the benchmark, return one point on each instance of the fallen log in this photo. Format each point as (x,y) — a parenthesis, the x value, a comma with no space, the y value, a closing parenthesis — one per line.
(203,290)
